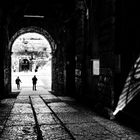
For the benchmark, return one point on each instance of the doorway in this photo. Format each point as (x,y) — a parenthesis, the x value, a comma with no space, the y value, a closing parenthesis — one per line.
(31,55)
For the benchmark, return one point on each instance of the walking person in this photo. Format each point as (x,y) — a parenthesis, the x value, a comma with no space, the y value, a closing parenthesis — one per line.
(34,81)
(18,81)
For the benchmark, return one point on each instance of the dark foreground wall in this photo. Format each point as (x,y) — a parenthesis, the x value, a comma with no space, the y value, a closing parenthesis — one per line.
(98,36)
(111,35)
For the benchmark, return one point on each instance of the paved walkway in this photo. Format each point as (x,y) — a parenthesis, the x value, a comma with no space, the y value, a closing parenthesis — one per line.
(39,115)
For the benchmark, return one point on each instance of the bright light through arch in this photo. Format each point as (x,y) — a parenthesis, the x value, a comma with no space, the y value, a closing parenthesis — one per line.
(32,47)
(31,40)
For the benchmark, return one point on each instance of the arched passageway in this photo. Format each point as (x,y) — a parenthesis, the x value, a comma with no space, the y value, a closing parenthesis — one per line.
(56,21)
(31,54)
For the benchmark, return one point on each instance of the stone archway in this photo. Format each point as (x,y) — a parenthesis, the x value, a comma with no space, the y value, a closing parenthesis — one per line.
(24,65)
(36,30)
(32,29)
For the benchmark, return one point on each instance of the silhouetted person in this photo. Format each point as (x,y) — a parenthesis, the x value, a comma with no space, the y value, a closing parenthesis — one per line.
(34,80)
(18,81)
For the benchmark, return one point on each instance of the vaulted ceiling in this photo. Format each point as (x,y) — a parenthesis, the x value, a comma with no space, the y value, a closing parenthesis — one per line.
(48,8)
(54,12)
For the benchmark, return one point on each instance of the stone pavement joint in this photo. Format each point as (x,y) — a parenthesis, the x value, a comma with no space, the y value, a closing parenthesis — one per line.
(40,115)
(39,133)
(67,130)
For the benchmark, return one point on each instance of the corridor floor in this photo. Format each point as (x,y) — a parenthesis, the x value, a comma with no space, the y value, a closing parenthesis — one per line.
(40,115)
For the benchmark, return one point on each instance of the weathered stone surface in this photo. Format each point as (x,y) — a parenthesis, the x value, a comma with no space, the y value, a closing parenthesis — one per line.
(6,106)
(117,129)
(36,100)
(67,99)
(61,104)
(22,99)
(1,128)
(50,98)
(54,132)
(74,117)
(41,109)
(21,108)
(47,118)
(81,121)
(19,133)
(21,119)
(2,120)
(8,101)
(90,131)
(63,109)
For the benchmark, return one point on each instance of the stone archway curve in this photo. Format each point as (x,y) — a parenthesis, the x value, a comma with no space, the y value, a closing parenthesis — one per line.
(33,29)
(30,29)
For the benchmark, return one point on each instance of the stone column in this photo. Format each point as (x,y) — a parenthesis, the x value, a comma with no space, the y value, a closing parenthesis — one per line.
(4,57)
(80,49)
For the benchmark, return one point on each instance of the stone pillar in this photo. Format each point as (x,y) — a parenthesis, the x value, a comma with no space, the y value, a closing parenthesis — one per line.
(58,65)
(1,62)
(7,64)
(69,46)
(4,57)
(80,49)
(105,16)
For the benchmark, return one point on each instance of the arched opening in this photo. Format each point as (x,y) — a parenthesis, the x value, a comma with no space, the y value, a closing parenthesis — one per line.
(24,65)
(31,54)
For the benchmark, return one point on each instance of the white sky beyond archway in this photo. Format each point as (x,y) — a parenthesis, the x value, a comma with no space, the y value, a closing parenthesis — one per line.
(35,48)
(34,41)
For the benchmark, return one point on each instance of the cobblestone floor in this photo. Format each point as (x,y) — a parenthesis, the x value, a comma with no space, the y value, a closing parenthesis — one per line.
(39,115)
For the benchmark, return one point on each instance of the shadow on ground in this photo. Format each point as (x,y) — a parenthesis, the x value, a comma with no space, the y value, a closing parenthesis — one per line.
(130,115)
(13,94)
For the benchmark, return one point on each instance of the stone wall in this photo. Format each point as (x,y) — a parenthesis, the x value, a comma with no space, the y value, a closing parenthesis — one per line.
(80,47)
(100,44)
